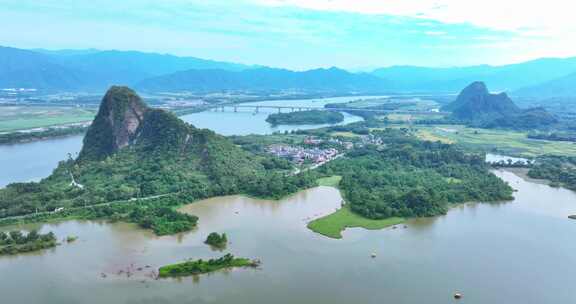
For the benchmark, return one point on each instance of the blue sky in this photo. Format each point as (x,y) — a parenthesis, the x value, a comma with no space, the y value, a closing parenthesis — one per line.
(301,34)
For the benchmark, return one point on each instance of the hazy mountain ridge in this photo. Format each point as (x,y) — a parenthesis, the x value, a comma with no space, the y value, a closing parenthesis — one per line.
(500,78)
(95,70)
(27,69)
(266,79)
(560,87)
(91,70)
(128,67)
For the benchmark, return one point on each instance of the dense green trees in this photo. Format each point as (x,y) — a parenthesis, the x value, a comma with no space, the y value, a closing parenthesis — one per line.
(412,178)
(16,242)
(162,220)
(528,119)
(217,240)
(312,117)
(561,170)
(200,266)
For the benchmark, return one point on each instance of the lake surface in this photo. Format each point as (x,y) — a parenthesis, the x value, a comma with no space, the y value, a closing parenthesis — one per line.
(36,160)
(514,252)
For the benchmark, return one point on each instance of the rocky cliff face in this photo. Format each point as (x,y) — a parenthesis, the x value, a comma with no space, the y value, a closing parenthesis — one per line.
(116,125)
(476,102)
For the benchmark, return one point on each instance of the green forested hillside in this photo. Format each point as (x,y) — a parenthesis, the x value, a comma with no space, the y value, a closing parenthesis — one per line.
(413,178)
(560,170)
(149,157)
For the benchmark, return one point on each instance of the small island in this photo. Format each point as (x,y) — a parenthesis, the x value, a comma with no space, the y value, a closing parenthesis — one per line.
(16,242)
(217,240)
(313,117)
(200,266)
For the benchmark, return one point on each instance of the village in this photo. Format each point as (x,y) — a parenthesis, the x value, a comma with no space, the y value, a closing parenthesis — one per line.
(301,155)
(319,151)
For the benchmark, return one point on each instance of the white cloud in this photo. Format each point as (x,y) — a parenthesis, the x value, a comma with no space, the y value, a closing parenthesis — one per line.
(435,33)
(551,17)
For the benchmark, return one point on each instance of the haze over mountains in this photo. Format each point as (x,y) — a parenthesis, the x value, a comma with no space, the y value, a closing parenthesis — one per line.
(266,79)
(95,70)
(561,87)
(91,69)
(500,78)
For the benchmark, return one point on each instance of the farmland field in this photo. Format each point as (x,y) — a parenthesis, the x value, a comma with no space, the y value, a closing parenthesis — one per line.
(14,118)
(507,142)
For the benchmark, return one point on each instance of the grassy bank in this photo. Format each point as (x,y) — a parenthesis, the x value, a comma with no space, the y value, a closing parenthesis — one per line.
(332,225)
(331,181)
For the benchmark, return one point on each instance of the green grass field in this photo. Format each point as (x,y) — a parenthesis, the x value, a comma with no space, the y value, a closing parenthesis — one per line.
(14,118)
(332,225)
(331,181)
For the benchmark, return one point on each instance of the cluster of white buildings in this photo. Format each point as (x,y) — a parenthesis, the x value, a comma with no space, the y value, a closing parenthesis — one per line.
(300,154)
(316,141)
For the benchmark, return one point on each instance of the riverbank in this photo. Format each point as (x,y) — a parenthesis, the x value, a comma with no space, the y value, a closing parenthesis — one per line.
(523,173)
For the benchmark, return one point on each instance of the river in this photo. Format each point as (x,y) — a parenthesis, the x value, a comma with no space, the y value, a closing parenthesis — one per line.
(36,160)
(515,252)
(247,121)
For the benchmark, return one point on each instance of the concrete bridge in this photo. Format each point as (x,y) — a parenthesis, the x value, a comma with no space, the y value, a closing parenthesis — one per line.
(257,108)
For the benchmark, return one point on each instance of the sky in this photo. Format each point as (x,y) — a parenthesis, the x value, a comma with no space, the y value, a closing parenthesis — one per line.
(302,34)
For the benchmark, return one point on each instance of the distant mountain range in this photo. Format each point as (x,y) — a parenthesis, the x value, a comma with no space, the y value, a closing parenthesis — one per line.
(95,70)
(92,69)
(561,87)
(266,79)
(500,78)
(27,69)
